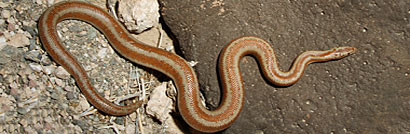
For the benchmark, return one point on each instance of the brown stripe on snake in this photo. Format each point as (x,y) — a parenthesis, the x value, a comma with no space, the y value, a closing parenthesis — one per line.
(189,104)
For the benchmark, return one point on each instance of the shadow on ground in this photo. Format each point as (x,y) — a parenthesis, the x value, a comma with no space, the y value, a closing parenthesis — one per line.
(368,92)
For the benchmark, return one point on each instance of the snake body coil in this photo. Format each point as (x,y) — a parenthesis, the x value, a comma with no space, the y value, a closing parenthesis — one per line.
(189,105)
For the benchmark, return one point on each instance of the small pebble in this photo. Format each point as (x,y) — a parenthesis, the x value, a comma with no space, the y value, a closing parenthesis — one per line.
(32,76)
(19,40)
(33,55)
(30,130)
(4,59)
(9,53)
(23,122)
(6,14)
(119,120)
(92,33)
(102,53)
(32,83)
(3,42)
(82,33)
(61,73)
(36,67)
(70,96)
(60,82)
(38,127)
(12,26)
(14,85)
(49,69)
(2,21)
(81,123)
(22,110)
(64,114)
(6,104)
(45,60)
(84,105)
(30,30)
(63,106)
(54,96)
(113,61)
(65,29)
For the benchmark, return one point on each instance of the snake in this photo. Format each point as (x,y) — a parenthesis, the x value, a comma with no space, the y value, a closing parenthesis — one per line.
(193,112)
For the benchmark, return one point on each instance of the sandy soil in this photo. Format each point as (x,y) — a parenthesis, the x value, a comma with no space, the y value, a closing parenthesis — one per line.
(368,92)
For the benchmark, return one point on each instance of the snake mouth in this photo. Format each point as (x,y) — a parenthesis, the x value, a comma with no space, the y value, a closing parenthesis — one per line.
(351,50)
(341,52)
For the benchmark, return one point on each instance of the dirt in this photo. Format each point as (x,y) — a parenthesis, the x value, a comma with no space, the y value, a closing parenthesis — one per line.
(368,92)
(36,96)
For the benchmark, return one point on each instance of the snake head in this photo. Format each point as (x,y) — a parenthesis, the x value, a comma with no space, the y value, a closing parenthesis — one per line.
(341,52)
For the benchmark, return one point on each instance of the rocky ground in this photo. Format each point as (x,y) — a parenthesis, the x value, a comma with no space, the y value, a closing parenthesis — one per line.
(39,96)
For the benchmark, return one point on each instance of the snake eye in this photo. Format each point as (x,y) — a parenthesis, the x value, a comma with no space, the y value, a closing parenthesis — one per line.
(341,52)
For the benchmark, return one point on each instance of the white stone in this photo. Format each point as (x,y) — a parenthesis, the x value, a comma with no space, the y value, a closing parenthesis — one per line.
(159,106)
(61,73)
(48,69)
(139,15)
(19,40)
(36,67)
(102,53)
(3,42)
(5,14)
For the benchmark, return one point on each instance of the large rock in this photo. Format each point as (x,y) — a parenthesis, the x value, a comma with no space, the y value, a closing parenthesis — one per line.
(344,96)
